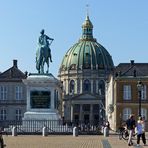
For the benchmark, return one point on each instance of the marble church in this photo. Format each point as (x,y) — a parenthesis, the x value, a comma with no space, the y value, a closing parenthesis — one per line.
(83,72)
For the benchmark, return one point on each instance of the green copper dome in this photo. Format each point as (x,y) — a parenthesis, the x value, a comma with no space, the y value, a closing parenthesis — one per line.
(87,53)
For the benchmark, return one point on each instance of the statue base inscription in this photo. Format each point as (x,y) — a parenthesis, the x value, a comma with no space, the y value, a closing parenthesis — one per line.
(41,97)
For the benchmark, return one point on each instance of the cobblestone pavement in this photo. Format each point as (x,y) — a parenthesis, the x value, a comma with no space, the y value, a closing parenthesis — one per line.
(65,141)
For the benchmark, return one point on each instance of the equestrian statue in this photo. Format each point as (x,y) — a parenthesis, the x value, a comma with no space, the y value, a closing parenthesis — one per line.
(43,53)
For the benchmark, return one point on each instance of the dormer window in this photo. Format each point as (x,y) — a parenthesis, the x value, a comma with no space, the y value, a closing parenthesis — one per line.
(73,67)
(87,54)
(75,54)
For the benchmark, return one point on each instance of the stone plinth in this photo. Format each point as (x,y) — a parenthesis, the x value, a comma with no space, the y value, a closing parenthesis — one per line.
(43,95)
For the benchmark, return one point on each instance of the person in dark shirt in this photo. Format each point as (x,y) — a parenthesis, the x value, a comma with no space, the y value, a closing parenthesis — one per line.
(131,124)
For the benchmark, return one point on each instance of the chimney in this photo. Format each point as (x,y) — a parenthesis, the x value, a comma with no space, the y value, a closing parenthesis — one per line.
(135,73)
(15,63)
(132,62)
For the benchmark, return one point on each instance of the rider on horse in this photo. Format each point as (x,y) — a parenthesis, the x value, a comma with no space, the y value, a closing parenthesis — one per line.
(43,53)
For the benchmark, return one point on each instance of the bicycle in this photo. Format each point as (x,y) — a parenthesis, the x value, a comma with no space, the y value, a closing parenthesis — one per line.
(123,133)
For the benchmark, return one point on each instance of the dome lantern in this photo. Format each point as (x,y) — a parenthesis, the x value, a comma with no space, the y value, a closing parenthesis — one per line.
(87,29)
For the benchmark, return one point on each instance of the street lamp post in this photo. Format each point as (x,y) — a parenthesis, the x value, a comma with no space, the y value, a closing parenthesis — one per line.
(140,87)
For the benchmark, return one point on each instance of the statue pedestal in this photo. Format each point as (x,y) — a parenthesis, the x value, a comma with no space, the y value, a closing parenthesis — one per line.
(43,95)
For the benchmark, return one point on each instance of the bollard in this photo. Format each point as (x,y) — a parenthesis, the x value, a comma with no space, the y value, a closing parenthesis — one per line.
(14,131)
(44,132)
(75,131)
(102,129)
(106,132)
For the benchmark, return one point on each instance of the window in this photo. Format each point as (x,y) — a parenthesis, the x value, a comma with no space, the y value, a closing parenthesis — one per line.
(3,114)
(18,92)
(76,108)
(95,108)
(101,87)
(86,107)
(87,86)
(72,86)
(143,93)
(126,113)
(18,114)
(144,113)
(127,92)
(3,92)
(78,86)
(94,86)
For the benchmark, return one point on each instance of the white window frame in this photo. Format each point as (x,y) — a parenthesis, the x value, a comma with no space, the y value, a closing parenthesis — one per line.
(127,92)
(3,114)
(18,92)
(18,114)
(126,113)
(143,93)
(144,113)
(3,92)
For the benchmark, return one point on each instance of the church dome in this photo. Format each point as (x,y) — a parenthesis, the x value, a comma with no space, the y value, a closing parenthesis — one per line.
(87,53)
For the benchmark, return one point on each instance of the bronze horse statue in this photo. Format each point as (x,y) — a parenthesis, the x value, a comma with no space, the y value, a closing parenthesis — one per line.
(43,53)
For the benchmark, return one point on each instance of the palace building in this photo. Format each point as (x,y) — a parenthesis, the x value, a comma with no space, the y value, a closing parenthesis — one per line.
(12,94)
(122,94)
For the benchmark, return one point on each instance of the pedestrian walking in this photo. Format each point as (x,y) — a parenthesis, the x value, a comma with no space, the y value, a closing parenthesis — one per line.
(1,139)
(140,131)
(143,129)
(131,124)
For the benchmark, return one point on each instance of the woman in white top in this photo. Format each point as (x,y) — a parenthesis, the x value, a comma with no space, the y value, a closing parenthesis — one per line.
(140,131)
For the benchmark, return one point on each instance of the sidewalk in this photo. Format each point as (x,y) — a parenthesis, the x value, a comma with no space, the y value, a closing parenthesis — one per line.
(65,141)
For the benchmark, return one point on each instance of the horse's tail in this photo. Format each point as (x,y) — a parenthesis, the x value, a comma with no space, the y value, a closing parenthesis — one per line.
(38,59)
(37,64)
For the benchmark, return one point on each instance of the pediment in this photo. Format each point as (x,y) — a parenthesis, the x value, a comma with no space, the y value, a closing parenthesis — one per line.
(86,96)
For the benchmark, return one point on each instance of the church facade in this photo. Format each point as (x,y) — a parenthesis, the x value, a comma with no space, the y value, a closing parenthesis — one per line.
(83,72)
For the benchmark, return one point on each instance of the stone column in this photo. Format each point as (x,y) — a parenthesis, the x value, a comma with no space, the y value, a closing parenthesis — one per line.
(91,86)
(97,86)
(71,112)
(67,86)
(64,86)
(28,98)
(81,86)
(81,112)
(91,112)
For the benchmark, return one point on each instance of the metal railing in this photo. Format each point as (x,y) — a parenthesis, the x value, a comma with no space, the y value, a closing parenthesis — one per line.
(53,126)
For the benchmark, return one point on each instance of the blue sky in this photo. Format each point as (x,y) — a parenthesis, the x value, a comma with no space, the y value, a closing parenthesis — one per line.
(121,26)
